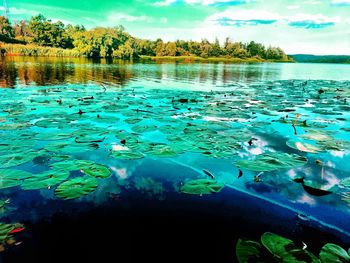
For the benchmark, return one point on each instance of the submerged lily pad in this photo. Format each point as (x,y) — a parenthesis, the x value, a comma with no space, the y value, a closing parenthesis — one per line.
(76,188)
(248,251)
(202,186)
(272,161)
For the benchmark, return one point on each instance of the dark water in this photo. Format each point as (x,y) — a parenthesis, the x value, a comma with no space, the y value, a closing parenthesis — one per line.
(181,119)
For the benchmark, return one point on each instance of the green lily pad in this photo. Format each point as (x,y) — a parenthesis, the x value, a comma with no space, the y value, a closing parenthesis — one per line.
(272,161)
(14,159)
(335,145)
(202,186)
(97,170)
(59,123)
(345,182)
(5,230)
(248,251)
(144,128)
(127,155)
(165,151)
(286,250)
(76,188)
(316,136)
(304,147)
(44,180)
(11,178)
(333,253)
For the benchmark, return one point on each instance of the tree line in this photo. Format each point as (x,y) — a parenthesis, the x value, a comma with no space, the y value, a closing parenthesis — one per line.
(115,42)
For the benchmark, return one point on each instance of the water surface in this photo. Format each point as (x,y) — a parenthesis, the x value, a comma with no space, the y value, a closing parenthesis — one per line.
(131,136)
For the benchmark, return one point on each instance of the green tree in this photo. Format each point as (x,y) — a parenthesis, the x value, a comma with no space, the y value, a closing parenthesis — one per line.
(6,28)
(21,29)
(215,50)
(256,49)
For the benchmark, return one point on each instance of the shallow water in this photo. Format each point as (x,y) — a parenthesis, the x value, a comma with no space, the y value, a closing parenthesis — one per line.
(153,128)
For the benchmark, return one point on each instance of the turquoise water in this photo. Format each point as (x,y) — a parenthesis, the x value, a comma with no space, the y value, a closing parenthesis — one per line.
(78,131)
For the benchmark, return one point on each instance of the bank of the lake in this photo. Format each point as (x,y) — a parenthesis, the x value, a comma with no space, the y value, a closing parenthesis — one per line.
(195,59)
(40,51)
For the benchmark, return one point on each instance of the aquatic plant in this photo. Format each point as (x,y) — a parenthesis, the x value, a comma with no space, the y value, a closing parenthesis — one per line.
(6,234)
(275,248)
(76,187)
(202,186)
(272,161)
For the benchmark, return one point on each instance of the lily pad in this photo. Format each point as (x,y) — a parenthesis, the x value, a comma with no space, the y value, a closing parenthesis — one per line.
(44,180)
(11,178)
(97,170)
(248,251)
(304,147)
(333,253)
(76,188)
(127,155)
(272,161)
(202,186)
(72,165)
(14,159)
(286,250)
(5,230)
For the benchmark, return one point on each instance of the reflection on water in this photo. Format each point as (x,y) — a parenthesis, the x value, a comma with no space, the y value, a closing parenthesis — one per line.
(49,71)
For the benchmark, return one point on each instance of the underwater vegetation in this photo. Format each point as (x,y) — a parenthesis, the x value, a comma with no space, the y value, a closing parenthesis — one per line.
(275,248)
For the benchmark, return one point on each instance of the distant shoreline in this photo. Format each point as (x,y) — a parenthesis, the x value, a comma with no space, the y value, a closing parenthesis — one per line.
(19,50)
(194,59)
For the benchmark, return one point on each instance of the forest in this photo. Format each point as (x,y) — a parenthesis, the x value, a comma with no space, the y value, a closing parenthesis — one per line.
(42,37)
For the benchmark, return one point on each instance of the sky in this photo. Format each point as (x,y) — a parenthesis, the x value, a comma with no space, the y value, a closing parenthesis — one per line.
(298,27)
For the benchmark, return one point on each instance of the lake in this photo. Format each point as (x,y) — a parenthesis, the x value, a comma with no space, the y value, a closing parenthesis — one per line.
(154,161)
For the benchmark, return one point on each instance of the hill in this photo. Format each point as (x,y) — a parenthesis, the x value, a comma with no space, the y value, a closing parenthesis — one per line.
(306,58)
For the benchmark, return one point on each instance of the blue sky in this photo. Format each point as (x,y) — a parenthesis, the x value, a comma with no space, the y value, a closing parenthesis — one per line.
(310,26)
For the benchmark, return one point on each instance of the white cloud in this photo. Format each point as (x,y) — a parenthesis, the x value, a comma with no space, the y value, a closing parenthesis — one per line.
(292,7)
(19,11)
(120,17)
(315,18)
(243,17)
(201,2)
(341,2)
(164,20)
(164,3)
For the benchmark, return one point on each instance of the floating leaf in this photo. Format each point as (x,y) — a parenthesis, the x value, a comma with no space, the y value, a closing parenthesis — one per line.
(144,128)
(127,155)
(5,230)
(248,251)
(76,187)
(11,178)
(72,165)
(333,253)
(286,250)
(44,180)
(202,186)
(272,161)
(346,182)
(304,147)
(97,170)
